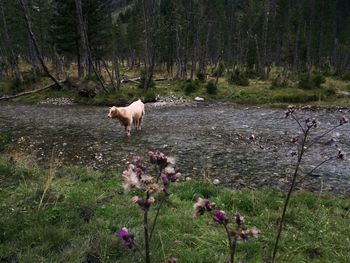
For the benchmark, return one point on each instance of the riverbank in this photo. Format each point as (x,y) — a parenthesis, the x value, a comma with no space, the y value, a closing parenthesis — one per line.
(334,93)
(74,212)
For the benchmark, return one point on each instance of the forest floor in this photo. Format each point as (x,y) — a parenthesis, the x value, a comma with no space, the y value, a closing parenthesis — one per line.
(68,213)
(334,93)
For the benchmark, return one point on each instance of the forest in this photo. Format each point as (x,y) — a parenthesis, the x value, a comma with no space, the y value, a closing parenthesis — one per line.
(187,39)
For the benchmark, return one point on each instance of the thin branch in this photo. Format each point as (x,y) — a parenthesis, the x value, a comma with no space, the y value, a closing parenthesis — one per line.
(156,216)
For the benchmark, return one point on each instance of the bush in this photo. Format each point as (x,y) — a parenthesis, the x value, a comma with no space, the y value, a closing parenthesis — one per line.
(279,82)
(200,76)
(190,87)
(211,88)
(143,79)
(312,81)
(149,96)
(346,76)
(239,78)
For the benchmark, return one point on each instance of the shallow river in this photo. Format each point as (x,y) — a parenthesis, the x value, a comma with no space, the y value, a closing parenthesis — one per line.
(212,141)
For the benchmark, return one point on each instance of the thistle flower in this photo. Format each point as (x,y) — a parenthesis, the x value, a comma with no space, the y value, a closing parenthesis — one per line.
(201,206)
(343,120)
(158,158)
(172,260)
(290,110)
(131,180)
(220,217)
(146,179)
(169,170)
(150,201)
(341,154)
(311,123)
(253,232)
(153,188)
(239,219)
(127,238)
(138,162)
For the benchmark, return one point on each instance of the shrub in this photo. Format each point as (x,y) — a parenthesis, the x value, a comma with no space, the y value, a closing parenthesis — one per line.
(279,82)
(200,76)
(211,88)
(239,78)
(190,87)
(149,96)
(307,81)
(346,76)
(143,79)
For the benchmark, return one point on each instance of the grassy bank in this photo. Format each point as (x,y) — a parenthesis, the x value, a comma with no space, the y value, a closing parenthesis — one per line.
(333,93)
(71,214)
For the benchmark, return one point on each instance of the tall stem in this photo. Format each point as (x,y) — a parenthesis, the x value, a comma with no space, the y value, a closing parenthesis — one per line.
(145,226)
(156,217)
(286,202)
(232,245)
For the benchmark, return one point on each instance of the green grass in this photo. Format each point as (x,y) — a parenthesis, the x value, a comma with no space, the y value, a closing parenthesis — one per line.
(82,210)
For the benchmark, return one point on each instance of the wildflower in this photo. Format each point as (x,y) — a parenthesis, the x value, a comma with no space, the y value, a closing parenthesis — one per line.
(169,170)
(311,123)
(158,158)
(153,188)
(343,120)
(201,206)
(176,177)
(146,179)
(341,154)
(172,260)
(127,238)
(138,163)
(291,109)
(220,217)
(239,219)
(253,232)
(150,201)
(171,160)
(131,180)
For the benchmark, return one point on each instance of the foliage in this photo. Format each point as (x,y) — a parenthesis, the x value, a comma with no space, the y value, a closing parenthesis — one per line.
(311,81)
(190,87)
(238,77)
(200,76)
(211,88)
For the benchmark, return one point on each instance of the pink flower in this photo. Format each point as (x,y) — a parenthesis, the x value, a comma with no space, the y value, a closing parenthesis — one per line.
(239,219)
(127,238)
(343,120)
(220,217)
(131,180)
(201,206)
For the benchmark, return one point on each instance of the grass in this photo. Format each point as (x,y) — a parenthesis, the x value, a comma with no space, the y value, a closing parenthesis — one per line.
(82,210)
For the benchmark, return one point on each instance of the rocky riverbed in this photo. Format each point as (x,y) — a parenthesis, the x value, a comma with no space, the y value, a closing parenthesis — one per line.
(241,147)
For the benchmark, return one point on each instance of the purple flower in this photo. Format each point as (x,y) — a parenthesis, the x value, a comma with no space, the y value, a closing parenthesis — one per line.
(343,120)
(138,163)
(220,217)
(201,206)
(127,238)
(158,158)
(239,219)
(172,260)
(291,109)
(341,154)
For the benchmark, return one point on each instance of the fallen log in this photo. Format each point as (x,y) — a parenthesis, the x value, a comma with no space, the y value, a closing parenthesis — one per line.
(138,80)
(31,91)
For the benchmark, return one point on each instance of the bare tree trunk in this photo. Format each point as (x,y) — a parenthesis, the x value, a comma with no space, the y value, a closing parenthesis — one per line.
(85,43)
(116,72)
(178,56)
(84,60)
(13,59)
(36,47)
(148,13)
(109,74)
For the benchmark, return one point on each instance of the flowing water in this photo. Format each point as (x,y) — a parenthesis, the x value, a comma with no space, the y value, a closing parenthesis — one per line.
(208,140)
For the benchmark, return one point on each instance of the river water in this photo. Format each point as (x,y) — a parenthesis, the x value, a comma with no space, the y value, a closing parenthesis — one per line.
(208,140)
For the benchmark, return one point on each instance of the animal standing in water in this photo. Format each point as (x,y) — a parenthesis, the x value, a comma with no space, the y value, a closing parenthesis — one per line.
(132,114)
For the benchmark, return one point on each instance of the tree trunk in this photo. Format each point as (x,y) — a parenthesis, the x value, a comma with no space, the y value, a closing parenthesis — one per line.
(84,60)
(36,47)
(13,59)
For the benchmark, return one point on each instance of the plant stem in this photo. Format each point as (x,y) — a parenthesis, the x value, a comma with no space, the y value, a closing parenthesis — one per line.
(286,202)
(232,245)
(145,226)
(156,217)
